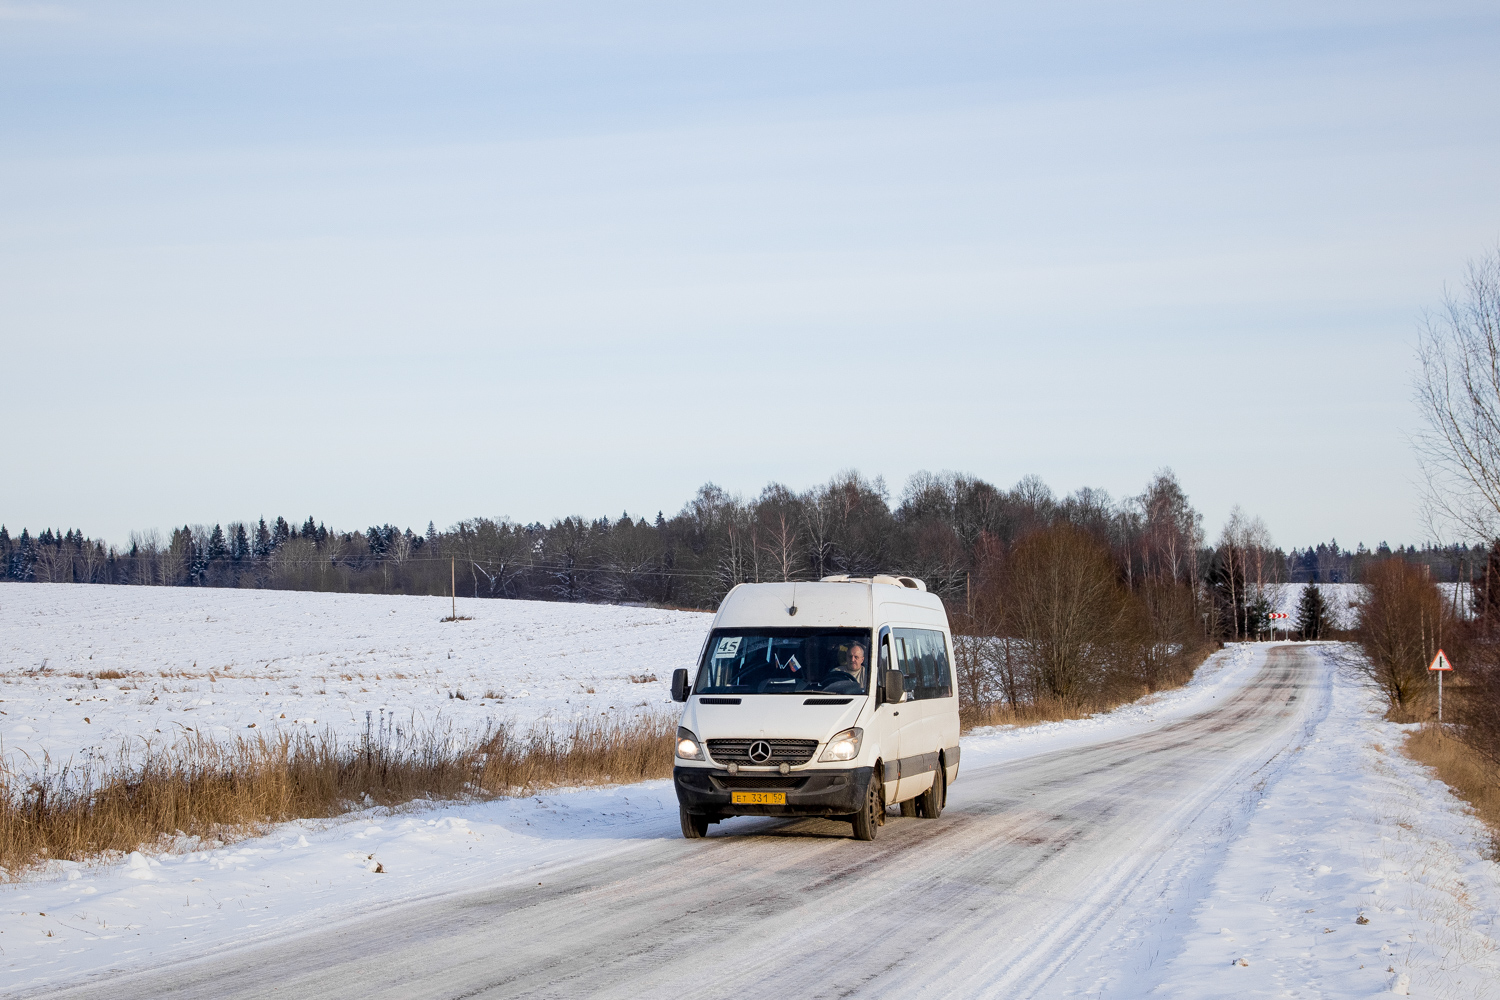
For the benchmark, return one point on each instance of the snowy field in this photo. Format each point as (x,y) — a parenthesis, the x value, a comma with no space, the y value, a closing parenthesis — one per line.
(1341,598)
(237,662)
(1262,896)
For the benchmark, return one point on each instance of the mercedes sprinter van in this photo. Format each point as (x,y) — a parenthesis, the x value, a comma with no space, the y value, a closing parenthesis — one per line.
(834,698)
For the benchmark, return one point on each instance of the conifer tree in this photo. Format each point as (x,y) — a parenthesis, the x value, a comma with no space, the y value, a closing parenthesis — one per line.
(262,540)
(23,560)
(218,546)
(1312,613)
(239,542)
(1258,615)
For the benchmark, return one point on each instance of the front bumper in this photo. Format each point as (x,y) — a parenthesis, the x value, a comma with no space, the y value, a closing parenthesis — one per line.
(705,791)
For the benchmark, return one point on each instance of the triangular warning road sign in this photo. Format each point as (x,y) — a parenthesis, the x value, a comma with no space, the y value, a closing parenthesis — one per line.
(1440,662)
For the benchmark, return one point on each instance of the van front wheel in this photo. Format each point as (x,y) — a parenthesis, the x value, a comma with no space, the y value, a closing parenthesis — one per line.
(867,820)
(693,827)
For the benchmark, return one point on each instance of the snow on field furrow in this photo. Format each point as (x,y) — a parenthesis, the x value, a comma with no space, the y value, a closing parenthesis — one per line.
(223,663)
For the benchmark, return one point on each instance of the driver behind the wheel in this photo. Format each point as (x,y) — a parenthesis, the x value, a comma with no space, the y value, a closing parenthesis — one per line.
(848,678)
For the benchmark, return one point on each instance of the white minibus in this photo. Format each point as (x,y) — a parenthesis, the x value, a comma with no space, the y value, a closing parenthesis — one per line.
(834,698)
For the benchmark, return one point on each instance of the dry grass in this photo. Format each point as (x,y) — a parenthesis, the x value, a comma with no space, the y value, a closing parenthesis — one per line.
(1045,709)
(1475,778)
(200,788)
(1027,714)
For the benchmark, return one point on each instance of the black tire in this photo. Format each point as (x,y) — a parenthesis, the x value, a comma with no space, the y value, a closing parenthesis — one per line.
(867,821)
(693,827)
(909,808)
(930,803)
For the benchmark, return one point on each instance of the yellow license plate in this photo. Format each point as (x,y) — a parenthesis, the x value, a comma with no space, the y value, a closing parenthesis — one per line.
(758,798)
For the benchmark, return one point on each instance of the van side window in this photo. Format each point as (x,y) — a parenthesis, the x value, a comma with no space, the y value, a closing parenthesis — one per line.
(905,646)
(936,677)
(922,658)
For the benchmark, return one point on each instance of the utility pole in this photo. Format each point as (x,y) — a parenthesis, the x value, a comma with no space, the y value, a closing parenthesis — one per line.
(453,585)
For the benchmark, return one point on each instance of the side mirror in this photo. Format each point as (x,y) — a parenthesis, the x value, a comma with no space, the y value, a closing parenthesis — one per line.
(895,690)
(680,684)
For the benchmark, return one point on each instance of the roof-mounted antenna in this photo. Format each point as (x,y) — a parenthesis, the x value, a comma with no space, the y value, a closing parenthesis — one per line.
(793,609)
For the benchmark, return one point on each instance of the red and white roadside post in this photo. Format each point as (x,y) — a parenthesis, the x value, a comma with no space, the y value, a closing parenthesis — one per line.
(1276,616)
(1440,665)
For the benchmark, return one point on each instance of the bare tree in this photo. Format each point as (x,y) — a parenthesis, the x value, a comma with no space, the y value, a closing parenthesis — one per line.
(1230,545)
(819,511)
(1458,390)
(1067,607)
(778,530)
(1172,532)
(93,561)
(54,563)
(1403,621)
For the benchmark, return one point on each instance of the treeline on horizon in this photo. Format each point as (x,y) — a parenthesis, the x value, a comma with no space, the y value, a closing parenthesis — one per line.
(942,528)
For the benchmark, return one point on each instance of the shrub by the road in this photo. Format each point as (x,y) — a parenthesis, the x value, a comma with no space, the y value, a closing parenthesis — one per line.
(1054,630)
(1402,623)
(199,788)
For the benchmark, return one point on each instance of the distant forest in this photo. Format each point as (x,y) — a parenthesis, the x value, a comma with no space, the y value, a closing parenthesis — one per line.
(946,529)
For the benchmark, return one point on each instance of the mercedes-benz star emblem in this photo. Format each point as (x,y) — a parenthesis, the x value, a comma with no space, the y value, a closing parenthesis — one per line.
(760,751)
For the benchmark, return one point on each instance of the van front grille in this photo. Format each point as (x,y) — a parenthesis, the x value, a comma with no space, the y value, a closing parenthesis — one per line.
(791,752)
(760,781)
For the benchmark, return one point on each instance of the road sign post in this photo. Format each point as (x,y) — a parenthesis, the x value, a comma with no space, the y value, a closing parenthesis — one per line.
(1276,616)
(1440,665)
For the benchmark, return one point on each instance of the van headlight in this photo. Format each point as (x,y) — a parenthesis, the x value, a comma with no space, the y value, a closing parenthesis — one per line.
(687,745)
(843,746)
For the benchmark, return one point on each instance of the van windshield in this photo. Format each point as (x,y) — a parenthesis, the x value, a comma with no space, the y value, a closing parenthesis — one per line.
(785,661)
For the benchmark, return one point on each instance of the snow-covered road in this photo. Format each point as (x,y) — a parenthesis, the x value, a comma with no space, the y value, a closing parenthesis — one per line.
(1222,840)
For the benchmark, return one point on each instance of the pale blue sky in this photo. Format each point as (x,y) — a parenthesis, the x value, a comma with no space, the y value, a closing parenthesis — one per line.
(383,263)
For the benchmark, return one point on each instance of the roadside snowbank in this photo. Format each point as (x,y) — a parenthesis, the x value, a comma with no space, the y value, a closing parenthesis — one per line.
(1218,676)
(1352,829)
(75,920)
